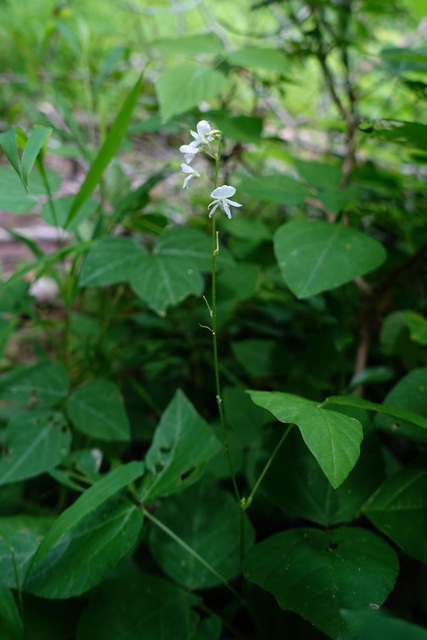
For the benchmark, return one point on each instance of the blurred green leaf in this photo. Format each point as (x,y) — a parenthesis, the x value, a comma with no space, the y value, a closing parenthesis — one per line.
(42,384)
(111,261)
(190,45)
(183,87)
(11,625)
(277,188)
(263,58)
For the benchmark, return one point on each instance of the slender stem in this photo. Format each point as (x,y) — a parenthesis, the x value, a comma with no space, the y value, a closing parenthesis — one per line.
(247,503)
(194,553)
(215,251)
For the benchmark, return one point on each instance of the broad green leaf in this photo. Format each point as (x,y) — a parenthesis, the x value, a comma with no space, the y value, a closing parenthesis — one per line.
(190,45)
(269,59)
(317,573)
(192,247)
(319,174)
(334,439)
(12,193)
(207,519)
(417,326)
(312,496)
(277,188)
(10,148)
(399,508)
(56,212)
(43,384)
(24,545)
(107,151)
(92,498)
(38,138)
(316,256)
(87,552)
(338,200)
(97,409)
(144,607)
(240,128)
(260,358)
(164,280)
(374,625)
(11,626)
(111,261)
(182,445)
(182,88)
(394,412)
(411,134)
(251,229)
(35,442)
(10,181)
(237,283)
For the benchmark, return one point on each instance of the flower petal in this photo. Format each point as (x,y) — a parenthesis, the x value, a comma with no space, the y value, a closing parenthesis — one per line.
(214,202)
(233,204)
(227,208)
(186,181)
(214,209)
(187,169)
(223,192)
(203,128)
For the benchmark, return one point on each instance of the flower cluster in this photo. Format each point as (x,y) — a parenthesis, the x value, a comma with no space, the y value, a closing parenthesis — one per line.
(204,136)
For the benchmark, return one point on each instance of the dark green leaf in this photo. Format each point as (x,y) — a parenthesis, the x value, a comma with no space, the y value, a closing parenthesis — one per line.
(11,626)
(208,520)
(42,384)
(192,247)
(38,138)
(182,445)
(35,442)
(374,625)
(399,508)
(190,45)
(97,409)
(240,128)
(317,573)
(278,188)
(111,261)
(316,256)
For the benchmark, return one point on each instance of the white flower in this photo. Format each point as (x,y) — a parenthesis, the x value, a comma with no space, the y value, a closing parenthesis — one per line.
(191,173)
(189,150)
(221,197)
(203,133)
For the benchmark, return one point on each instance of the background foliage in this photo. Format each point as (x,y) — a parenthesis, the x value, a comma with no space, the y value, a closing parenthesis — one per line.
(119,516)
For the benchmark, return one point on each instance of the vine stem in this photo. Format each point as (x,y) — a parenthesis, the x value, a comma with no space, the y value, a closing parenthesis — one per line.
(194,553)
(215,252)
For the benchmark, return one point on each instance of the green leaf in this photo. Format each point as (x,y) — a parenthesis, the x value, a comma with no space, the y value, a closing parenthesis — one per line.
(10,148)
(12,193)
(399,508)
(207,519)
(260,357)
(251,229)
(411,134)
(182,88)
(241,128)
(87,552)
(144,607)
(192,247)
(374,625)
(246,420)
(97,409)
(316,256)
(417,326)
(190,45)
(408,395)
(35,442)
(56,212)
(164,280)
(334,439)
(269,59)
(237,283)
(38,138)
(280,189)
(11,626)
(338,200)
(92,498)
(394,412)
(312,496)
(182,445)
(43,384)
(319,174)
(107,151)
(317,573)
(111,261)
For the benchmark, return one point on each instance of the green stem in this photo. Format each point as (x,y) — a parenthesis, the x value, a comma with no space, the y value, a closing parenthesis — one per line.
(215,252)
(246,503)
(195,555)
